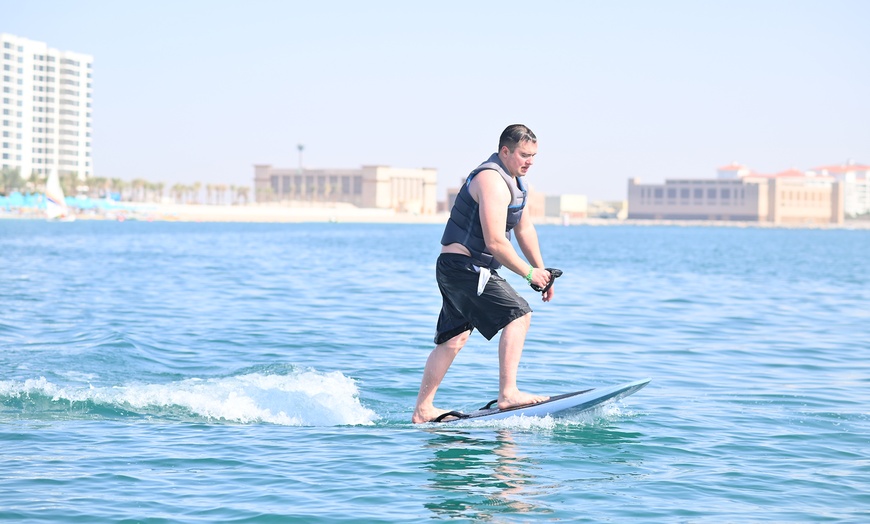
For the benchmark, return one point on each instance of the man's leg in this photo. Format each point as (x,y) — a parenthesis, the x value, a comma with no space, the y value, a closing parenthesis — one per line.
(510,349)
(436,367)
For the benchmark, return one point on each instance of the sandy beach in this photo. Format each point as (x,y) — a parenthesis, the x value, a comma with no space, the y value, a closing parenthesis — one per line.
(276,213)
(236,213)
(342,212)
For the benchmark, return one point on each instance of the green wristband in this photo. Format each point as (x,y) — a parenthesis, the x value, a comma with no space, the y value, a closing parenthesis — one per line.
(529,275)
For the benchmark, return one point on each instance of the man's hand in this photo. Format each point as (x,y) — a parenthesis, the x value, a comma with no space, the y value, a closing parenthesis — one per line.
(546,289)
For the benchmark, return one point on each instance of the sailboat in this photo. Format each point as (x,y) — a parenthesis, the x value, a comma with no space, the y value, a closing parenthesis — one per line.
(55,205)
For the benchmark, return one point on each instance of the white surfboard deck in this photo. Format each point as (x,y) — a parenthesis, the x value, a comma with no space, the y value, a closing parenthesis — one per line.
(560,405)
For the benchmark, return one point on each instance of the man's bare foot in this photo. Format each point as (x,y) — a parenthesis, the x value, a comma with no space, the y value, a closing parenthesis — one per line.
(518,398)
(421,415)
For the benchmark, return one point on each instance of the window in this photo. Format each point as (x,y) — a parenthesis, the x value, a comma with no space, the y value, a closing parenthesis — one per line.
(699,193)
(684,193)
(725,194)
(659,192)
(711,193)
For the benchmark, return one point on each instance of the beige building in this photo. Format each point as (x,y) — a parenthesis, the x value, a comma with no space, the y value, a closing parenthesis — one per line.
(567,206)
(405,190)
(790,197)
(608,209)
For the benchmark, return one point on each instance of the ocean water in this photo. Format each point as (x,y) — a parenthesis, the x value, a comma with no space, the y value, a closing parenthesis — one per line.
(179,372)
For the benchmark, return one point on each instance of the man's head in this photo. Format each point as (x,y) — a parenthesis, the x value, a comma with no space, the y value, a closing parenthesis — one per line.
(517,147)
(513,135)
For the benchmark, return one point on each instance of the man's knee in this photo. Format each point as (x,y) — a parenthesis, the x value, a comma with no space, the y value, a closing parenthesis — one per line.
(456,343)
(525,320)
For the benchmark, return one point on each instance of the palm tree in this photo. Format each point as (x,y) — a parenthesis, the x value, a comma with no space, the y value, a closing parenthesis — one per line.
(157,189)
(178,191)
(265,194)
(97,186)
(118,186)
(195,190)
(69,182)
(12,180)
(138,185)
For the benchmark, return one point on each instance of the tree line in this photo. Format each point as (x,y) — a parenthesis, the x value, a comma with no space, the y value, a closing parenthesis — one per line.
(136,190)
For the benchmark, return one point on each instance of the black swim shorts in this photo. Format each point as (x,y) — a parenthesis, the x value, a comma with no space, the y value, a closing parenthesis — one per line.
(462,309)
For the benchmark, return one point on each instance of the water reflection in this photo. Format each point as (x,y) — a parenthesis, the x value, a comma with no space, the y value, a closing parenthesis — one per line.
(480,477)
(479,474)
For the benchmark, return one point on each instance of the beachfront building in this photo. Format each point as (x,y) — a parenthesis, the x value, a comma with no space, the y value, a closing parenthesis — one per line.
(856,186)
(608,209)
(405,190)
(45,102)
(566,206)
(738,194)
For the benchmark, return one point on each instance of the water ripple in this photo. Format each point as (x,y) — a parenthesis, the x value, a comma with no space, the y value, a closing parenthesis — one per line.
(219,372)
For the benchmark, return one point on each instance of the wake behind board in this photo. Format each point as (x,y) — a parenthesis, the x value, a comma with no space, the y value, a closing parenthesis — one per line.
(560,405)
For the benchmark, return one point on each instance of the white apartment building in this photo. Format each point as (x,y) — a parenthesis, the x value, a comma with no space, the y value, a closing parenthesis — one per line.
(856,180)
(45,101)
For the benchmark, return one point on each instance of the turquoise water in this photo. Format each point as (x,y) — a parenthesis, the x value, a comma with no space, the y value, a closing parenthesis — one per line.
(168,372)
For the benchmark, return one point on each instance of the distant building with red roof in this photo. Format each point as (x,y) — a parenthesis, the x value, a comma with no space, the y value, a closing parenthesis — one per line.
(733,170)
(856,185)
(739,194)
(843,171)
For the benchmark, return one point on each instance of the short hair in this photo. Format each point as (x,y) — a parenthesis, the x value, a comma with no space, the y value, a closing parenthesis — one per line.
(514,134)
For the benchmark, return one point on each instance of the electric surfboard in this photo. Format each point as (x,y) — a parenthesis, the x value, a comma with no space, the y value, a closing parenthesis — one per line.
(558,406)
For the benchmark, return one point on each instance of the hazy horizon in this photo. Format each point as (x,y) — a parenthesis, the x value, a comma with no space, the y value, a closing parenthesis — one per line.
(201,91)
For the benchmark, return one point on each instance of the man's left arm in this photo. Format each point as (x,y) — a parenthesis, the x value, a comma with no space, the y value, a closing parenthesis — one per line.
(527,238)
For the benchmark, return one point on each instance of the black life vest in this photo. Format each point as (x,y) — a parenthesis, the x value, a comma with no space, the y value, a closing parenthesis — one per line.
(463,226)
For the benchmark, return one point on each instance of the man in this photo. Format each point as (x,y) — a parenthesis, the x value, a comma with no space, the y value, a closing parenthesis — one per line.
(475,243)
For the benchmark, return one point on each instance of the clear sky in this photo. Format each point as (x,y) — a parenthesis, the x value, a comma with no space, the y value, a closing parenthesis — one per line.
(194,90)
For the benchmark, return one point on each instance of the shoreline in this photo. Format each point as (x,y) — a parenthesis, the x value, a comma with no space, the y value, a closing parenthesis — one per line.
(344,213)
